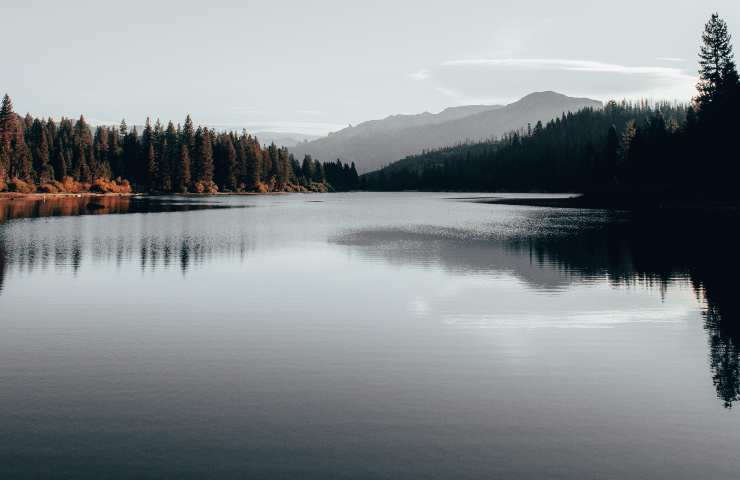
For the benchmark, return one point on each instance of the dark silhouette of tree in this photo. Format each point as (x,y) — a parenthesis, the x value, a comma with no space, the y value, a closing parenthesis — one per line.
(226,163)
(152,169)
(181,175)
(7,129)
(717,72)
(202,163)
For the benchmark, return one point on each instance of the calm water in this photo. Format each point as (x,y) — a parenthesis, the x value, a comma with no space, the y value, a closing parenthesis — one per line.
(365,336)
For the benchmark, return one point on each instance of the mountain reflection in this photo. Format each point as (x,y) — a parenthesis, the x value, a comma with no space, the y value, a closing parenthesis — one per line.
(626,252)
(547,255)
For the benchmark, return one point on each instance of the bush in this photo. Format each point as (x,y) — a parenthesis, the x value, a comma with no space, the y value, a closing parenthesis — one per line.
(51,187)
(3,185)
(205,187)
(19,186)
(70,185)
(101,185)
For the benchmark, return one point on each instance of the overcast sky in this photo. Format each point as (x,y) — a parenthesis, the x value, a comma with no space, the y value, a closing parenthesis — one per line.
(316,66)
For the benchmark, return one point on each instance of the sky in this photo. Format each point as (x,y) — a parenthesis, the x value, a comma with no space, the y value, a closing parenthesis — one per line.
(317,66)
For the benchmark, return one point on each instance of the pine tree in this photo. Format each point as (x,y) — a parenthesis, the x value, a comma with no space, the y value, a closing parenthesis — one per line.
(42,165)
(717,70)
(295,170)
(188,135)
(59,163)
(8,122)
(283,168)
(307,168)
(319,175)
(181,172)
(151,168)
(230,165)
(203,160)
(270,163)
(253,165)
(612,153)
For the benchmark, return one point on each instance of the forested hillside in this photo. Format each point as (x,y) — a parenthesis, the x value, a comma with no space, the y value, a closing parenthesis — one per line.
(377,143)
(661,149)
(70,156)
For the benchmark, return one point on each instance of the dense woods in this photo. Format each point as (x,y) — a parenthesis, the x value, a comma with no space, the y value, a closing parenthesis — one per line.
(71,156)
(624,148)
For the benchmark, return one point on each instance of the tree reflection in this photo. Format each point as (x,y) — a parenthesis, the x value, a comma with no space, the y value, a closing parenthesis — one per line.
(557,250)
(552,252)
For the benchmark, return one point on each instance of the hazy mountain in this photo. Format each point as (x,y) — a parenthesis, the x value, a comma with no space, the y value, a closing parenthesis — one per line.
(284,139)
(374,144)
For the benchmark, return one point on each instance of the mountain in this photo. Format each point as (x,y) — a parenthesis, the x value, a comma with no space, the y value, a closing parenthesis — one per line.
(284,139)
(374,144)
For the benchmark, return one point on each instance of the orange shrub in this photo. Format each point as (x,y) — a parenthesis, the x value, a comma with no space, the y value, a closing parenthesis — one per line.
(101,185)
(205,187)
(18,185)
(51,187)
(70,185)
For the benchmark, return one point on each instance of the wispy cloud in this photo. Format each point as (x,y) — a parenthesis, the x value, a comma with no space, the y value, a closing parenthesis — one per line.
(422,74)
(450,92)
(504,79)
(671,59)
(281,126)
(314,113)
(248,109)
(567,65)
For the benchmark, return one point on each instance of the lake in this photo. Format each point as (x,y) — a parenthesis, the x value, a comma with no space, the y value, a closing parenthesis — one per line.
(360,335)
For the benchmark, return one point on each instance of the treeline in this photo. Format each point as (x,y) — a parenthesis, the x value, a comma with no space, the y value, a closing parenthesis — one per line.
(70,156)
(568,153)
(623,148)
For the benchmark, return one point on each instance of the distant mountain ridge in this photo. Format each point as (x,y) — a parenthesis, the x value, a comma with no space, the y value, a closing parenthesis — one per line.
(376,143)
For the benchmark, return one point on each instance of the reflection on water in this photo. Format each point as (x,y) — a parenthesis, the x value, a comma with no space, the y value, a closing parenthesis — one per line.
(626,252)
(98,205)
(328,327)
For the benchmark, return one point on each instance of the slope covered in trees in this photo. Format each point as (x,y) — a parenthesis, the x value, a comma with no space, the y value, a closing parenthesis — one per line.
(377,143)
(640,149)
(70,156)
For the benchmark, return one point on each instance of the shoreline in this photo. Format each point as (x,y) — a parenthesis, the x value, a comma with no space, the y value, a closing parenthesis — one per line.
(10,196)
(618,203)
(54,196)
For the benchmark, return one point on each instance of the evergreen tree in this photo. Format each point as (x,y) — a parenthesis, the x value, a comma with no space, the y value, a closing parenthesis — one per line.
(717,71)
(252,178)
(152,168)
(188,135)
(307,168)
(283,168)
(7,131)
(226,163)
(181,173)
(42,164)
(203,161)
(612,154)
(169,152)
(59,164)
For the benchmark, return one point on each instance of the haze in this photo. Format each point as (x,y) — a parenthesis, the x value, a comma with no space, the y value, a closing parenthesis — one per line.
(314,67)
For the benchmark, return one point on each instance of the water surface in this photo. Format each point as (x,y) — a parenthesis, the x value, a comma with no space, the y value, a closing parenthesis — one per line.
(362,335)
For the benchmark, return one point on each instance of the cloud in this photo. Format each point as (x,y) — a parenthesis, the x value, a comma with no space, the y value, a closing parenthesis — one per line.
(566,65)
(671,59)
(314,113)
(281,126)
(422,74)
(449,92)
(501,80)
